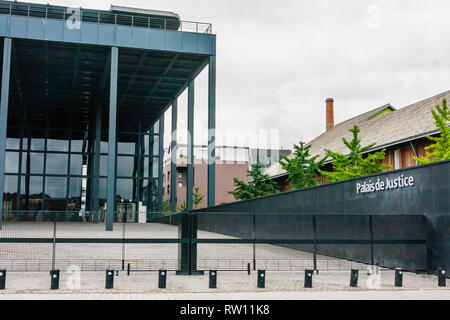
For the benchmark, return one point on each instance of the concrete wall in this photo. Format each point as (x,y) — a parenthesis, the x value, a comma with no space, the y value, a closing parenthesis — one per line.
(427,201)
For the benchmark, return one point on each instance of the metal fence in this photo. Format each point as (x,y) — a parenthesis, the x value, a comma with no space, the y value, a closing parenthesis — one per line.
(40,241)
(104,17)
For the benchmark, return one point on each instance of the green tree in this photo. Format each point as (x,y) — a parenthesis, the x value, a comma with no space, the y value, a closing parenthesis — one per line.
(259,184)
(440,149)
(354,165)
(182,207)
(197,197)
(166,207)
(302,168)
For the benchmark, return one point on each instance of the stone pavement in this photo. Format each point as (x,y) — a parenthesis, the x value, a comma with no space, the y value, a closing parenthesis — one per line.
(314,295)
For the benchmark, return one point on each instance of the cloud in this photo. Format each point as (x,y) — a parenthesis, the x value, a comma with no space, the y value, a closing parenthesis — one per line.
(277,61)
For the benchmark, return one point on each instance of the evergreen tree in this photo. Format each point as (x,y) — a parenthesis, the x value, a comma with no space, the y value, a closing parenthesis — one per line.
(259,185)
(166,207)
(197,197)
(302,169)
(182,207)
(354,165)
(440,149)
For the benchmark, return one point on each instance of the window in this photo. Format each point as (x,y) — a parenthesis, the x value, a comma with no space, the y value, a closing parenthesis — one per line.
(180,175)
(180,184)
(168,189)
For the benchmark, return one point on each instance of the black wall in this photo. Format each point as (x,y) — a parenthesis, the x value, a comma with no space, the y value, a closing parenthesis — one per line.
(411,213)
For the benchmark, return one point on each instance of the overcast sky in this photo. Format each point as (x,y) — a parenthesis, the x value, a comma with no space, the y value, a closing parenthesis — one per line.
(277,61)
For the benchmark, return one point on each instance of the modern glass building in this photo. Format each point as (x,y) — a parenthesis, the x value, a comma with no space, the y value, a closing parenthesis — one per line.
(83,96)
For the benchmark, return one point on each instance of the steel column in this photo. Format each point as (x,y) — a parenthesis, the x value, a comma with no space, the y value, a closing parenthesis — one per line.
(160,162)
(96,170)
(173,165)
(111,193)
(4,117)
(212,132)
(190,147)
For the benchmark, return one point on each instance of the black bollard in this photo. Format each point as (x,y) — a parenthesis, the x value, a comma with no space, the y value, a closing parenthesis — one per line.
(398,277)
(162,279)
(54,275)
(441,278)
(261,278)
(354,278)
(128,269)
(109,279)
(308,278)
(248,268)
(212,279)
(2,279)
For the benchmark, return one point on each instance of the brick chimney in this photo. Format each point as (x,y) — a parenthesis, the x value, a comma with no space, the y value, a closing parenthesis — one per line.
(330,114)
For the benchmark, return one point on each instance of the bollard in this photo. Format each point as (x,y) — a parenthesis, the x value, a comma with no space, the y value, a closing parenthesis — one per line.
(2,279)
(248,268)
(308,278)
(261,278)
(212,279)
(398,277)
(128,269)
(354,278)
(162,279)
(441,278)
(54,274)
(109,279)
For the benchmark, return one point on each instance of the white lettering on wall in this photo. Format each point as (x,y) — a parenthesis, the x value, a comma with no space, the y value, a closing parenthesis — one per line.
(401,181)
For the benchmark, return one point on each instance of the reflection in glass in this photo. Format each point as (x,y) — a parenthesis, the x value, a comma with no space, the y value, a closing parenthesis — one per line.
(126,147)
(75,187)
(76,145)
(125,166)
(57,145)
(55,187)
(10,184)
(76,164)
(103,165)
(35,187)
(103,188)
(12,162)
(37,144)
(36,162)
(10,193)
(124,189)
(156,145)
(104,147)
(13,143)
(56,163)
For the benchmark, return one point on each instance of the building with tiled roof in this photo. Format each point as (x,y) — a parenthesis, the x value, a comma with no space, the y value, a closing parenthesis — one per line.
(402,132)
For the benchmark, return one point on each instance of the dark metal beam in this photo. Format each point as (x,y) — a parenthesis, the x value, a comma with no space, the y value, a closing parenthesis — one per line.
(190,148)
(166,71)
(111,193)
(173,164)
(212,132)
(133,77)
(160,162)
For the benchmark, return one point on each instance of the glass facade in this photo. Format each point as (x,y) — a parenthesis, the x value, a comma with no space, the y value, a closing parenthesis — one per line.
(53,170)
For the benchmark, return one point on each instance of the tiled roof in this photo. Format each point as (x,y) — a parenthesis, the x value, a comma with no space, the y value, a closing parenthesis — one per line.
(386,129)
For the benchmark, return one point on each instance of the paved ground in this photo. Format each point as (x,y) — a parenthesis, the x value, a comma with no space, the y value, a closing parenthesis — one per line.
(331,283)
(329,295)
(230,285)
(100,256)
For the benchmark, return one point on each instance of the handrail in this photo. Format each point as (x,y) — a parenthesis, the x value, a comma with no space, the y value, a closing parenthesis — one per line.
(104,17)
